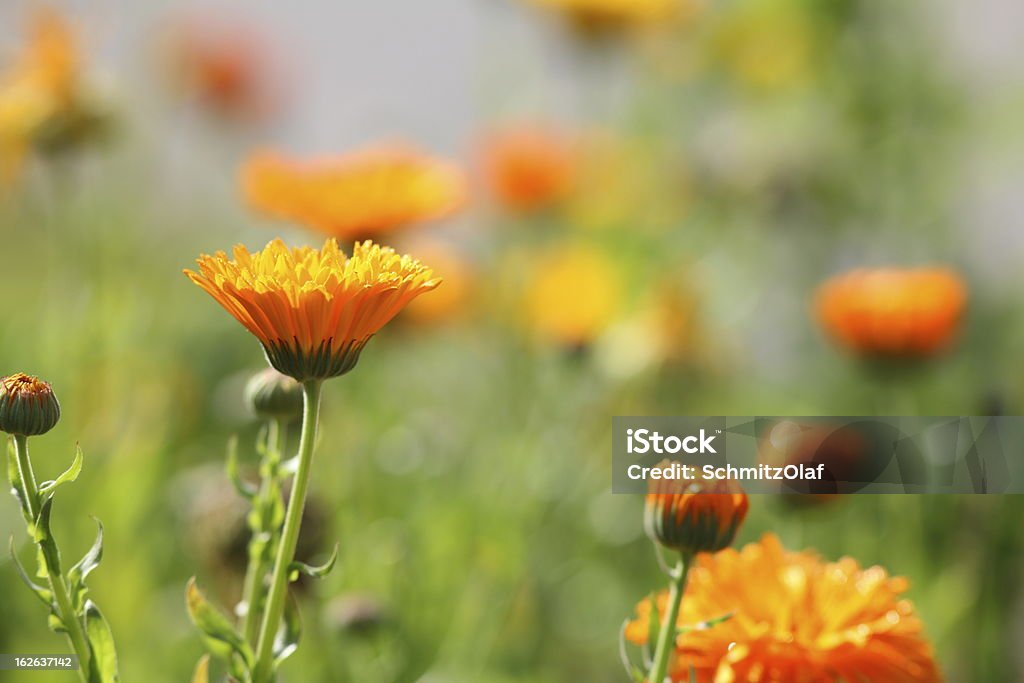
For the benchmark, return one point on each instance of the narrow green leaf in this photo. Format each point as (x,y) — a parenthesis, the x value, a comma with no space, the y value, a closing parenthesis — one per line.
(317,572)
(653,631)
(78,573)
(103,663)
(244,488)
(218,629)
(43,594)
(43,537)
(69,475)
(202,671)
(287,640)
(705,625)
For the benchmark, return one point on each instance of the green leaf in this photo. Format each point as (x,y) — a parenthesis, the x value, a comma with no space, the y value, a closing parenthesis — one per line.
(653,630)
(632,670)
(202,670)
(705,625)
(287,640)
(220,635)
(78,573)
(317,572)
(103,663)
(43,537)
(244,488)
(69,475)
(43,594)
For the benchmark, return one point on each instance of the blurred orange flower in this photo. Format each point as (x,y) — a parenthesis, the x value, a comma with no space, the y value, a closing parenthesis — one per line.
(795,619)
(366,193)
(37,86)
(451,301)
(574,292)
(603,13)
(895,312)
(313,310)
(528,167)
(228,67)
(694,517)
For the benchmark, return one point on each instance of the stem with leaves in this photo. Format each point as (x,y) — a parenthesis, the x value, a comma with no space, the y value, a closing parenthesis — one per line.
(263,671)
(667,633)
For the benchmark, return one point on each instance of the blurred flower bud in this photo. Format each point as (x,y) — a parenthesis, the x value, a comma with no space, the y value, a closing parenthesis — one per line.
(694,516)
(270,395)
(28,406)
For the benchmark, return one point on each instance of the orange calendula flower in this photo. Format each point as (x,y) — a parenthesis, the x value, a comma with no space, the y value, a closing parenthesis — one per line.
(603,13)
(366,193)
(694,516)
(893,312)
(528,168)
(795,619)
(313,310)
(227,65)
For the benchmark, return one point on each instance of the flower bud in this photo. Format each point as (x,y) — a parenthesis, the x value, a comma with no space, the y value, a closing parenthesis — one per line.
(694,516)
(28,406)
(270,395)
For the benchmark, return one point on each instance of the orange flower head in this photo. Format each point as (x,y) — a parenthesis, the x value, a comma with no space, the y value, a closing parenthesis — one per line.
(452,301)
(528,168)
(614,13)
(893,312)
(366,193)
(228,67)
(28,406)
(313,310)
(794,619)
(694,516)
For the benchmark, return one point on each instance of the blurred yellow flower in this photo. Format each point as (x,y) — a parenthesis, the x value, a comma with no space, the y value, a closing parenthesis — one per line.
(767,44)
(313,310)
(795,619)
(42,99)
(602,13)
(366,193)
(893,312)
(574,292)
(450,302)
(528,167)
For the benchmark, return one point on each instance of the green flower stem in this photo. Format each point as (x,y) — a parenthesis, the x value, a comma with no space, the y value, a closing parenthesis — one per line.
(255,587)
(263,670)
(667,634)
(66,610)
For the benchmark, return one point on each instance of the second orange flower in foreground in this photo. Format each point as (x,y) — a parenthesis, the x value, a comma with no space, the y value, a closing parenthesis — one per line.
(313,310)
(795,619)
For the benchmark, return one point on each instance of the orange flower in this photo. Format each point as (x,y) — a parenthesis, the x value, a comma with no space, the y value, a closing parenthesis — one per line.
(372,191)
(451,301)
(313,310)
(694,517)
(912,312)
(609,13)
(795,619)
(225,65)
(528,168)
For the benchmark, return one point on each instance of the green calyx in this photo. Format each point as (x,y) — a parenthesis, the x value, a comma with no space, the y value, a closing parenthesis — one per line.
(28,406)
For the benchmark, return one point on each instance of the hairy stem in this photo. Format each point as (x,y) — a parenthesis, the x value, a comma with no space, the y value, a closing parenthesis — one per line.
(65,608)
(667,634)
(263,670)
